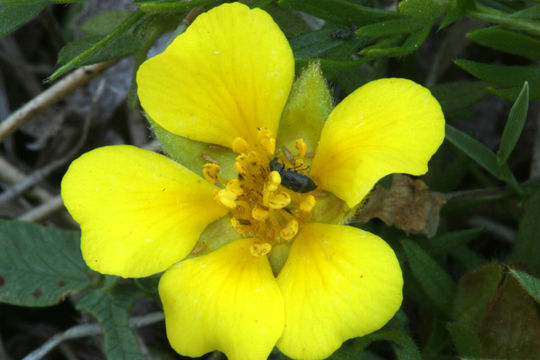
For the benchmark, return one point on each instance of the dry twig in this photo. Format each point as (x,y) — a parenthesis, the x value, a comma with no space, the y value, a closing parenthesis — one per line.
(54,204)
(10,175)
(40,174)
(88,330)
(50,97)
(44,210)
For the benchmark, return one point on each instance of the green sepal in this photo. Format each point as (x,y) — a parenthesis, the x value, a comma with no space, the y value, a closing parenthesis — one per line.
(332,210)
(307,109)
(216,235)
(194,154)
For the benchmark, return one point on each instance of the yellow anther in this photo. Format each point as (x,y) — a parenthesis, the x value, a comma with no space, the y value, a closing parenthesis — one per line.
(253,159)
(259,213)
(308,203)
(260,248)
(211,172)
(267,140)
(278,200)
(298,163)
(226,197)
(290,230)
(240,164)
(271,146)
(240,168)
(235,187)
(239,145)
(237,225)
(274,179)
(301,147)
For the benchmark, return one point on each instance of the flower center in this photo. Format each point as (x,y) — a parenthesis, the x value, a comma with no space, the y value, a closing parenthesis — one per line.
(270,198)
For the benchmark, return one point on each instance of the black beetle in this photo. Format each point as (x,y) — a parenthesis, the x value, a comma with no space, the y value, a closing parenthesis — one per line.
(293,180)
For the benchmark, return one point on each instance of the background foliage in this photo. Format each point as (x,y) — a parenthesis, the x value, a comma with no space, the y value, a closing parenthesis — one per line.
(471,290)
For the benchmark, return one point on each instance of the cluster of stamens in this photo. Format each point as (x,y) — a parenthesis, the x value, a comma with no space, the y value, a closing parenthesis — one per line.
(260,206)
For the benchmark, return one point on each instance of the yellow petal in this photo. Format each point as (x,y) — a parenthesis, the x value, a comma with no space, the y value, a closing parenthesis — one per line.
(139,211)
(386,126)
(227,300)
(339,282)
(227,75)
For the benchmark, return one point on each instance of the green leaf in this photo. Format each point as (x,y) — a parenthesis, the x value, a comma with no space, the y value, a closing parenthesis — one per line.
(442,244)
(530,283)
(437,284)
(104,23)
(117,48)
(347,49)
(501,74)
(390,27)
(12,16)
(531,12)
(513,92)
(527,246)
(391,41)
(456,10)
(290,23)
(438,340)
(468,258)
(340,11)
(39,265)
(505,19)
(507,41)
(259,3)
(83,57)
(482,156)
(474,149)
(458,95)
(514,125)
(111,308)
(410,45)
(404,345)
(427,10)
(316,43)
(440,168)
(14,2)
(331,68)
(170,6)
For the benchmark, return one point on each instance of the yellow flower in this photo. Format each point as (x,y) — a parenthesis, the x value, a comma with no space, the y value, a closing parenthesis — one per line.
(226,81)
